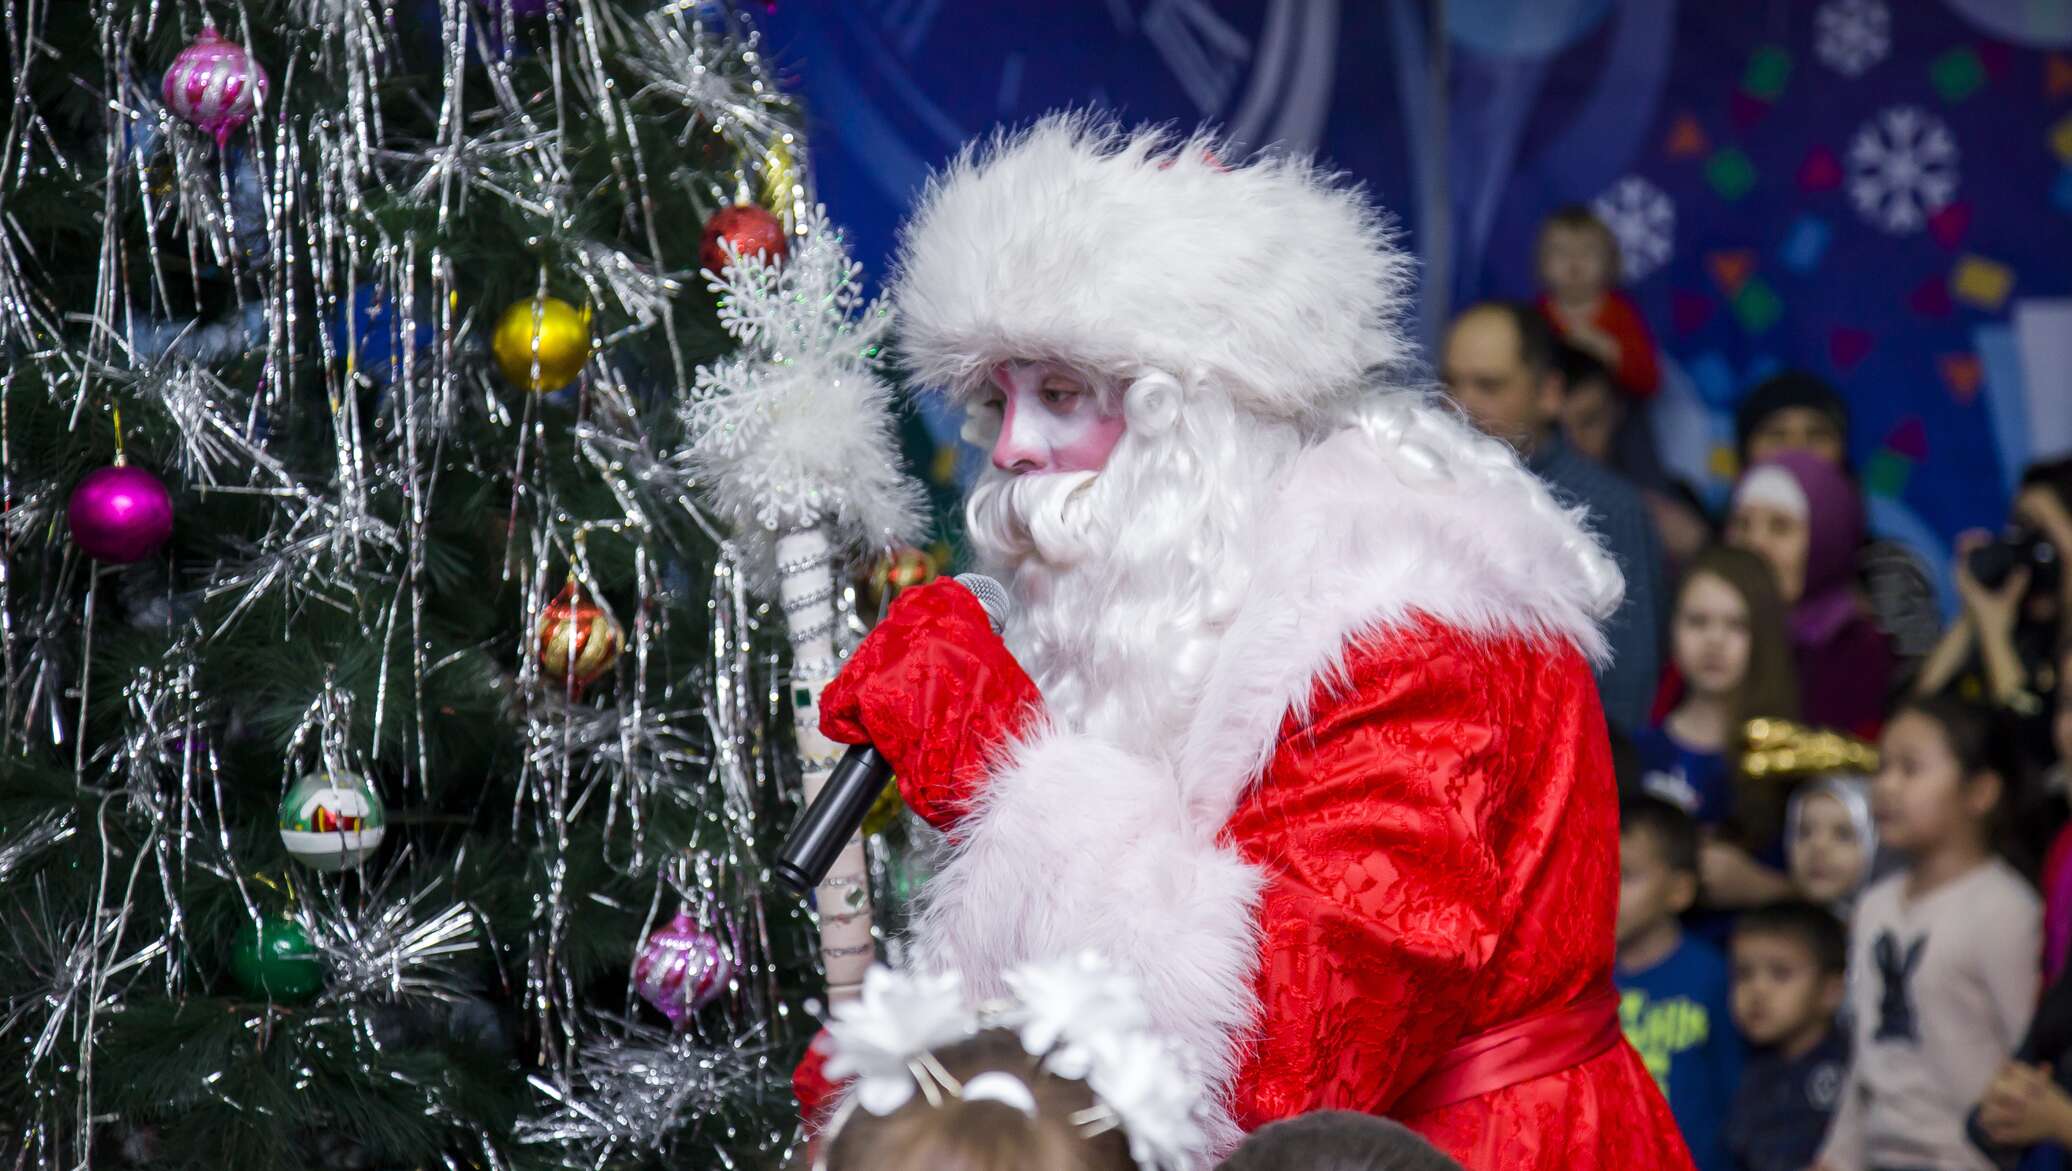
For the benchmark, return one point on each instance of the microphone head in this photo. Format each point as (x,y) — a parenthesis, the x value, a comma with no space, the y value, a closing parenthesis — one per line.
(990,594)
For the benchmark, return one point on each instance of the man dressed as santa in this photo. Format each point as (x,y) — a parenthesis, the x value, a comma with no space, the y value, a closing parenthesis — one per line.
(1293,719)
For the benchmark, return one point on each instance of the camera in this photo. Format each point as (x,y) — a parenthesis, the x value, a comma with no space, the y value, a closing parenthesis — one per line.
(2017,547)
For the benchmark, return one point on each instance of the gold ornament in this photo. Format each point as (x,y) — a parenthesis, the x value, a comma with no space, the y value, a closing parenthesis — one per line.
(562,332)
(1782,749)
(579,642)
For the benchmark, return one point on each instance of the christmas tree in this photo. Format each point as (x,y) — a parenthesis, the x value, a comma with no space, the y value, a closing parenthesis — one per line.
(429,437)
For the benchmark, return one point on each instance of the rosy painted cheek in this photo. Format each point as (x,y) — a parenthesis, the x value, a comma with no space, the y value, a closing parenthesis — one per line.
(1035,437)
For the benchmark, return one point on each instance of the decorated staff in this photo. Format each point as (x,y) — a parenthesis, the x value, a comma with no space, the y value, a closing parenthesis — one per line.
(793,443)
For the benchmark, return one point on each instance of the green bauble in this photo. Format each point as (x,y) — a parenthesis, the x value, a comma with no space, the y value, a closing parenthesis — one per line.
(274,959)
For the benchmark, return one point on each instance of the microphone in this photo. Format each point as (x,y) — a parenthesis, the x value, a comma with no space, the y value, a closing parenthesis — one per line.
(836,815)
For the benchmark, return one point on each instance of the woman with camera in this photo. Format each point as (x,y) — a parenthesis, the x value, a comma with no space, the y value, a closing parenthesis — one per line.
(2003,649)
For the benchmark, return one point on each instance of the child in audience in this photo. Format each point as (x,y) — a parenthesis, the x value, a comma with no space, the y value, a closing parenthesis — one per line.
(1943,952)
(1673,988)
(1831,841)
(1010,1115)
(1733,660)
(1805,518)
(1337,1140)
(1787,985)
(1579,276)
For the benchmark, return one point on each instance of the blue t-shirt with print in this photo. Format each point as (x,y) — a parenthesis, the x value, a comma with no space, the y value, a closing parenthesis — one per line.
(1693,781)
(1675,1014)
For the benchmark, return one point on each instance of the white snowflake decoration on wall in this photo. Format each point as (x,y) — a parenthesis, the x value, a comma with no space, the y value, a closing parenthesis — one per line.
(1902,168)
(1850,36)
(1644,221)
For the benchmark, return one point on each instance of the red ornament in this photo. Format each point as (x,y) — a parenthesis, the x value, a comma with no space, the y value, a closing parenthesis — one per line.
(755,231)
(579,642)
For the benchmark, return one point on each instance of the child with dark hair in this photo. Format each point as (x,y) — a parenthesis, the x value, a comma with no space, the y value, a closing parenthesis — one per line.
(1943,952)
(1337,1140)
(1579,276)
(1788,963)
(1672,987)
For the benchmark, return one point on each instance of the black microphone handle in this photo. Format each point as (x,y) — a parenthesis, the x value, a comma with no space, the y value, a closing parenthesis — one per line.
(834,817)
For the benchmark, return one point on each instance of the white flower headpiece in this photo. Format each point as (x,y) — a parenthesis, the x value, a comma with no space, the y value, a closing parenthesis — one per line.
(1080,1018)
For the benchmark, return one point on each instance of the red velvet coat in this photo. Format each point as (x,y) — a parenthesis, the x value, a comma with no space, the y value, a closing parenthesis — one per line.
(1394,826)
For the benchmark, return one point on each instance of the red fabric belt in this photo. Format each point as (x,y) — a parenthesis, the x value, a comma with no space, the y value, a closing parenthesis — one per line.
(1520,1051)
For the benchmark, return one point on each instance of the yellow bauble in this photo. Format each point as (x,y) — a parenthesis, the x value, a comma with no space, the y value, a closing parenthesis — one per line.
(564,343)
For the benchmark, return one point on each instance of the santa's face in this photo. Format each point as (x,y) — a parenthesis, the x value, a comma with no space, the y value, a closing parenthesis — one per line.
(1052,419)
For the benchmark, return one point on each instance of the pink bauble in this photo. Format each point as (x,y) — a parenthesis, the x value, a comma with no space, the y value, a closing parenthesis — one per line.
(214,84)
(681,969)
(120,514)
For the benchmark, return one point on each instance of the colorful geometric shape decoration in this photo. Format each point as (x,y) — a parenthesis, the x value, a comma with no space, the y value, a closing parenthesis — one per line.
(1931,298)
(1885,475)
(1957,74)
(1805,244)
(944,468)
(1820,171)
(2061,139)
(1769,67)
(1730,173)
(1731,268)
(1757,305)
(2057,76)
(1689,311)
(1715,379)
(1962,373)
(1686,138)
(1909,438)
(1746,109)
(1723,462)
(1949,225)
(1761,366)
(1995,56)
(1981,283)
(1847,346)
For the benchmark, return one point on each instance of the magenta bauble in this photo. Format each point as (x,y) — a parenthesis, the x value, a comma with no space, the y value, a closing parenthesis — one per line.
(120,514)
(681,969)
(214,84)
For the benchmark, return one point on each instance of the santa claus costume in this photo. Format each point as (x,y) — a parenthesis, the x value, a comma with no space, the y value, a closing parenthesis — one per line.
(1294,719)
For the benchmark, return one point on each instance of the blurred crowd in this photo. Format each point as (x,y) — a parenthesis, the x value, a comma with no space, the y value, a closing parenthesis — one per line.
(1855,960)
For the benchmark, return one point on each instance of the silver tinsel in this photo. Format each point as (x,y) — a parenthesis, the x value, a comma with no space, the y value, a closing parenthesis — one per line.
(280,229)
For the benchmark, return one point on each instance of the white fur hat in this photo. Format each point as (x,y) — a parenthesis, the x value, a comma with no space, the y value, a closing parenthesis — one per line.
(1075,241)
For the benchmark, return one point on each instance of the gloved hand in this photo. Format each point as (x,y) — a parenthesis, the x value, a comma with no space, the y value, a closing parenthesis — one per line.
(936,691)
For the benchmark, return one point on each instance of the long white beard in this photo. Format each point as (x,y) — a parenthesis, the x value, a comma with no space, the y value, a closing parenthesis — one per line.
(1125,580)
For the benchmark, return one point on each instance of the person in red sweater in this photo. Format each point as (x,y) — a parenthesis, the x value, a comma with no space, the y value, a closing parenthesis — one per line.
(1293,721)
(1579,273)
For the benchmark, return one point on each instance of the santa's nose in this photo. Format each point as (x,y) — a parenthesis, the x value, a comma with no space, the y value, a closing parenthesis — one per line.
(1020,448)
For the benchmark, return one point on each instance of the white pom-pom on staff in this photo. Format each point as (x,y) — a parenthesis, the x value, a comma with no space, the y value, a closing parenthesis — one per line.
(793,445)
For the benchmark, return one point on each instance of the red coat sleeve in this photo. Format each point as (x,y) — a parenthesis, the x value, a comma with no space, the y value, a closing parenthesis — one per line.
(1638,371)
(1382,902)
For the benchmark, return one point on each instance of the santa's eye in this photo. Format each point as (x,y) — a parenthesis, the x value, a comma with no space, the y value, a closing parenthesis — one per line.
(1060,392)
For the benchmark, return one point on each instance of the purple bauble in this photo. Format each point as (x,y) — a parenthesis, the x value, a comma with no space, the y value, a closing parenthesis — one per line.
(120,514)
(681,969)
(214,84)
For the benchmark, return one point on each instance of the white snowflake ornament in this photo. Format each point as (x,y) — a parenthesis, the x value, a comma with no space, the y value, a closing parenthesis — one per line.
(1643,219)
(1902,169)
(1850,36)
(899,1017)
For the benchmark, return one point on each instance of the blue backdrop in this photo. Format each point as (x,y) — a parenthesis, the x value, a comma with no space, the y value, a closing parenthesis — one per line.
(1874,190)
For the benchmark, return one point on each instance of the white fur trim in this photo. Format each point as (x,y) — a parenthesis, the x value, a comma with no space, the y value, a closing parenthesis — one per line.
(1409,513)
(1078,242)
(1077,844)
